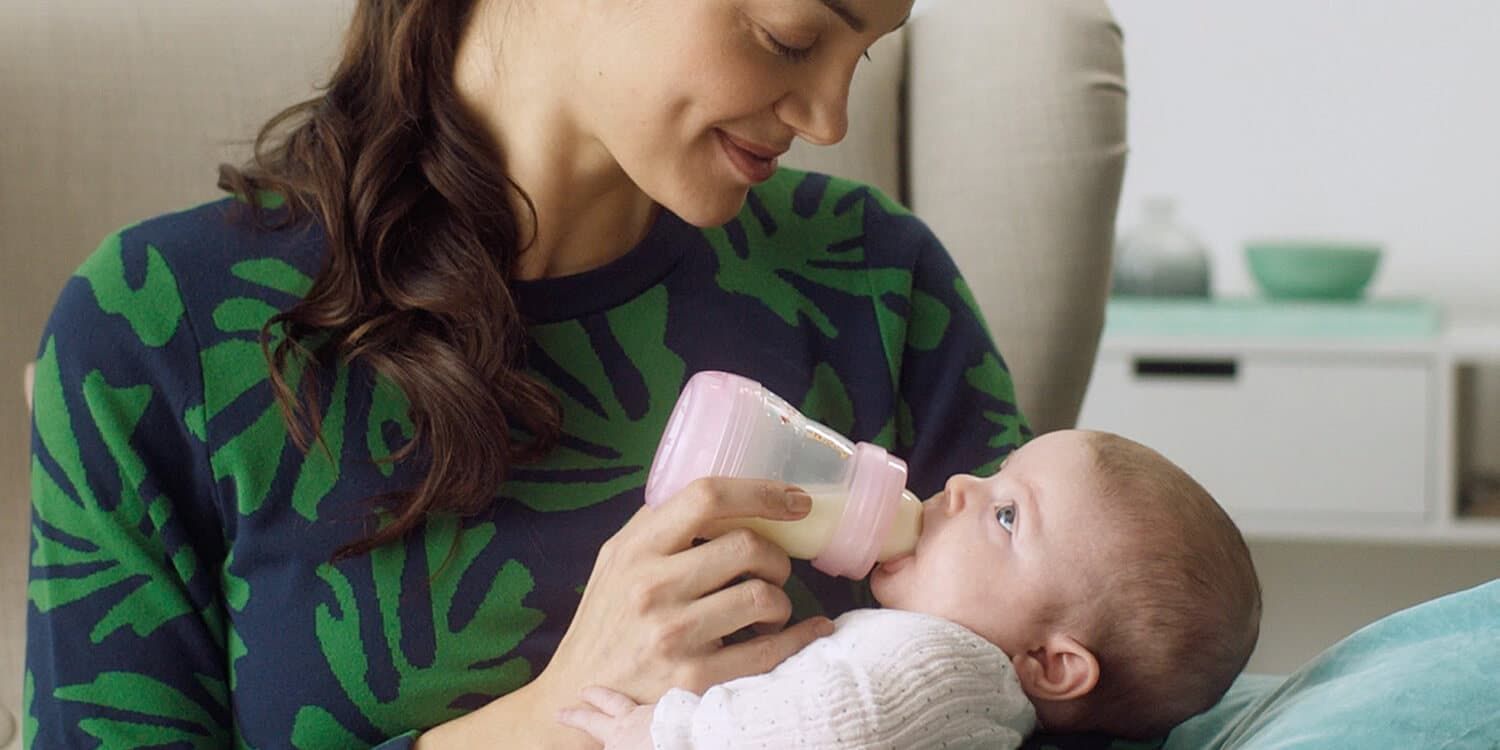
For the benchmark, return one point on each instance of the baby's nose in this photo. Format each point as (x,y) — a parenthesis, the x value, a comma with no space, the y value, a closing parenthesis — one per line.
(953,493)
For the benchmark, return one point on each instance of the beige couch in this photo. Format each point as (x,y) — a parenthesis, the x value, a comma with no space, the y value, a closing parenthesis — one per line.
(110,111)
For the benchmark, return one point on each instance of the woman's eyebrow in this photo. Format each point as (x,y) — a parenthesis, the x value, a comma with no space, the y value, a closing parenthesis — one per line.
(842,9)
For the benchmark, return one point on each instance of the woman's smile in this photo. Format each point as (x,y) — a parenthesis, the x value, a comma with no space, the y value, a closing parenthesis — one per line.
(755,162)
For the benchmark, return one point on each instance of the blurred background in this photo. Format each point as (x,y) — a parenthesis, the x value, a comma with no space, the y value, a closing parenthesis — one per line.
(1335,119)
(1367,483)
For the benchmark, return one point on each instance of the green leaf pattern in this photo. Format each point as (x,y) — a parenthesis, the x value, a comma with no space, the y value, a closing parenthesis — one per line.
(121,538)
(154,311)
(991,377)
(640,329)
(168,716)
(29,723)
(837,259)
(459,667)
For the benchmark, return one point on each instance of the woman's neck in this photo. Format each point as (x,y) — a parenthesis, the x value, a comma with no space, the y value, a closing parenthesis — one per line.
(512,72)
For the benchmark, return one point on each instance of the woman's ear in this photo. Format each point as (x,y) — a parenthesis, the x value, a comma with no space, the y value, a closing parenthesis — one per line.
(1060,669)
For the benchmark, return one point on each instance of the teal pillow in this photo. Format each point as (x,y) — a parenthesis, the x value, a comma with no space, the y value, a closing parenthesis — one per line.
(1426,677)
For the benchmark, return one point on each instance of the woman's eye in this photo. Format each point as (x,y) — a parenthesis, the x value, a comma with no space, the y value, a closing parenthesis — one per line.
(1006,515)
(795,54)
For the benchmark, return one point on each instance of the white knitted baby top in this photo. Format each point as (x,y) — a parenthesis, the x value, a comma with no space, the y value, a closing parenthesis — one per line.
(886,679)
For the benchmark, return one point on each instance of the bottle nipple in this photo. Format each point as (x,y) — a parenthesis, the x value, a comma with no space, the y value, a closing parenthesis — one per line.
(906,528)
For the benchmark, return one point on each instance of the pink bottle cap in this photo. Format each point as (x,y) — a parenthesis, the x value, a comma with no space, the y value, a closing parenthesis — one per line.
(705,435)
(874,495)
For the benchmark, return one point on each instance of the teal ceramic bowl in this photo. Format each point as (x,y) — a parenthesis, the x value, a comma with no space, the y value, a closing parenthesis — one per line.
(1312,270)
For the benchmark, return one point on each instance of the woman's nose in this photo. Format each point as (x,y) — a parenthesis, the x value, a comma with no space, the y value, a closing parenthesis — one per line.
(818,108)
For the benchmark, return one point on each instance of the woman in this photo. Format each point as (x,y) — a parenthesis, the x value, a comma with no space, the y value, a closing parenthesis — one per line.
(359,452)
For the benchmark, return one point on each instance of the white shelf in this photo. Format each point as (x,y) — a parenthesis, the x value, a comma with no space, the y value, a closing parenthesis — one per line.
(1465,532)
(1227,346)
(1473,343)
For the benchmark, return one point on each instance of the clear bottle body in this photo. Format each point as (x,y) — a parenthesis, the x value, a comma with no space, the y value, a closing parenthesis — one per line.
(726,425)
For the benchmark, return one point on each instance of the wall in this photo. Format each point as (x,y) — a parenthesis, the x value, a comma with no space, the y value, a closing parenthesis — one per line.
(1337,118)
(1341,118)
(1316,594)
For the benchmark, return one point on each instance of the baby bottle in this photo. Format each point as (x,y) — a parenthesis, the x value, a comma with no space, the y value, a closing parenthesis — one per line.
(727,425)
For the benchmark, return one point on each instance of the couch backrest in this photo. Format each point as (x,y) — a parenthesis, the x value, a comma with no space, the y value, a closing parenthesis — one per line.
(1016,138)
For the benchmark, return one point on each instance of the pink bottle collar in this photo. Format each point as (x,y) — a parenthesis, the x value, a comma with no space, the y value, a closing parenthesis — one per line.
(874,495)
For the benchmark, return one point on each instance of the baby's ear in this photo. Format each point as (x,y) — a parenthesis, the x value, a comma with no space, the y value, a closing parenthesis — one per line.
(1060,669)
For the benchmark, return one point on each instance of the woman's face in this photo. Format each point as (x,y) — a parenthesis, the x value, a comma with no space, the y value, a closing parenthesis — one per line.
(694,99)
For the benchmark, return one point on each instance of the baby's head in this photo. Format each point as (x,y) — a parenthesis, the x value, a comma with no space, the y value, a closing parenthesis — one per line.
(1122,592)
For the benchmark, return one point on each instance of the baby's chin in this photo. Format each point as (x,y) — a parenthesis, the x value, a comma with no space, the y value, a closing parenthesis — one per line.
(882,579)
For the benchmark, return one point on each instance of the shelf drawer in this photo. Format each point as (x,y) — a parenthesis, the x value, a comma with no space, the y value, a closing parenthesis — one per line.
(1275,439)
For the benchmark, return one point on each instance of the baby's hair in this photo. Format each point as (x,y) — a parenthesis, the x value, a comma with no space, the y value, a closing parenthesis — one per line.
(1175,617)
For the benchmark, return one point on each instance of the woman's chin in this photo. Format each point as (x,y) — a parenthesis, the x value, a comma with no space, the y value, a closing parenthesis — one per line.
(708,198)
(709,211)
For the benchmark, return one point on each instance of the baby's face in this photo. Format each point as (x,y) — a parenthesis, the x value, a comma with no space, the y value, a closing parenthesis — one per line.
(995,554)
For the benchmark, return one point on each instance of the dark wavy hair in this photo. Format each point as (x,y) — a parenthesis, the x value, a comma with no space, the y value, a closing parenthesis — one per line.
(422,240)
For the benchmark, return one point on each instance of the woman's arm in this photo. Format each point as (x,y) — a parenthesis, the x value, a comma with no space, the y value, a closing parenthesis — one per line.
(126,634)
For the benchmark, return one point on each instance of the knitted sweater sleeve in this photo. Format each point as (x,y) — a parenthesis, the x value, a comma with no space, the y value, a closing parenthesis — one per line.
(128,642)
(902,681)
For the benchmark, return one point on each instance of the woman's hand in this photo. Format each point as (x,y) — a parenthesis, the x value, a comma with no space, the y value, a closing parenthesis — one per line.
(656,609)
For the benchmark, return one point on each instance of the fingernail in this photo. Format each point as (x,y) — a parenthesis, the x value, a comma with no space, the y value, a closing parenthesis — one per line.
(798,501)
(824,627)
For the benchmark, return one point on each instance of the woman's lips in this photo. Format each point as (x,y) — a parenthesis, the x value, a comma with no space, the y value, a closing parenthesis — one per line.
(754,167)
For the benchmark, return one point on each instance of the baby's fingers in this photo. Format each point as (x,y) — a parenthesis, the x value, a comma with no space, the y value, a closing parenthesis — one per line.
(593,722)
(610,702)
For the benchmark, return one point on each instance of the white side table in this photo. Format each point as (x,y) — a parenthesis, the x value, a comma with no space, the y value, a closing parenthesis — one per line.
(1305,421)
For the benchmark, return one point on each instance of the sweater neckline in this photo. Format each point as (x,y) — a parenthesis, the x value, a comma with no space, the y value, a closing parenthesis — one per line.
(552,300)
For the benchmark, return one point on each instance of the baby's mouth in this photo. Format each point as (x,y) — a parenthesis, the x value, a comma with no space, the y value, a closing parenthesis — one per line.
(893,565)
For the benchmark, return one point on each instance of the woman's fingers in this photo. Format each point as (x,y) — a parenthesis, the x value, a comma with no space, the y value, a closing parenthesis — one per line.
(746,603)
(610,702)
(690,513)
(759,655)
(655,608)
(720,561)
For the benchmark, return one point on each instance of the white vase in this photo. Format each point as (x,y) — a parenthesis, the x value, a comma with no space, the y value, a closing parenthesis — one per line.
(1160,258)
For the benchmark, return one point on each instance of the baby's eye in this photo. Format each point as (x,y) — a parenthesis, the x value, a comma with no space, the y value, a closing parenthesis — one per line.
(1006,515)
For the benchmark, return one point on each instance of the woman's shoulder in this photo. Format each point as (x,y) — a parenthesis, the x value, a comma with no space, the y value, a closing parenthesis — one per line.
(198,258)
(204,243)
(203,271)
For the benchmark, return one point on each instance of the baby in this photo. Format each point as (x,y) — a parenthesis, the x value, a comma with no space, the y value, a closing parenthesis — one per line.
(1089,585)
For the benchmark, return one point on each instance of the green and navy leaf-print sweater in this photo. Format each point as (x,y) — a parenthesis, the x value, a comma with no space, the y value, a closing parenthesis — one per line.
(181,591)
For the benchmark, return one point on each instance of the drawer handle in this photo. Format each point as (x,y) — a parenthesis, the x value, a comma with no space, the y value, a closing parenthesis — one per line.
(1196,369)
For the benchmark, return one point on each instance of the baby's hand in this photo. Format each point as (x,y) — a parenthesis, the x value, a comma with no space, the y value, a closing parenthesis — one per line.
(611,718)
